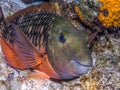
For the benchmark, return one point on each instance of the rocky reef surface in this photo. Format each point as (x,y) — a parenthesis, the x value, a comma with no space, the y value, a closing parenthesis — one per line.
(104,75)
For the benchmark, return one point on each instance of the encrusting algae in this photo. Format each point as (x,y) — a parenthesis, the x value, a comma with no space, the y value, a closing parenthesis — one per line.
(112,10)
(81,16)
(108,12)
(79,13)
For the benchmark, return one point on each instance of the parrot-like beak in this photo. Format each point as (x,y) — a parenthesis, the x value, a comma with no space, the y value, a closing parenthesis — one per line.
(80,68)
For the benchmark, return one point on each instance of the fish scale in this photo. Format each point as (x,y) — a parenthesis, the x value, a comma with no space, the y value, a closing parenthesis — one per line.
(35,27)
(7,33)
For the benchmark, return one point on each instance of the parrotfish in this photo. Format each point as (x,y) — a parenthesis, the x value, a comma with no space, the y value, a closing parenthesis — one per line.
(40,38)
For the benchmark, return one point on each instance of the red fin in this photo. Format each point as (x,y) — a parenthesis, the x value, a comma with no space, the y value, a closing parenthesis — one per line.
(25,50)
(10,55)
(35,75)
(38,74)
(47,68)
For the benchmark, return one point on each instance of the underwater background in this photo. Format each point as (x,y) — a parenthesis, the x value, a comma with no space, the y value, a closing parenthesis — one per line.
(100,21)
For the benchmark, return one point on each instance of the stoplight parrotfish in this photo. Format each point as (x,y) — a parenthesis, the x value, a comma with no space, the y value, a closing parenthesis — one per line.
(39,37)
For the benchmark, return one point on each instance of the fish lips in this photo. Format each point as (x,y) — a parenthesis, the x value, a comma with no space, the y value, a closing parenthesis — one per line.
(80,68)
(72,70)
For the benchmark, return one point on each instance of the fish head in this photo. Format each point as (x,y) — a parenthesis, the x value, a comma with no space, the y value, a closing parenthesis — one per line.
(67,51)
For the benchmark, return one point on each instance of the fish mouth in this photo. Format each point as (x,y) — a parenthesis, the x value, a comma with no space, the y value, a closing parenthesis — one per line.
(80,63)
(72,70)
(80,68)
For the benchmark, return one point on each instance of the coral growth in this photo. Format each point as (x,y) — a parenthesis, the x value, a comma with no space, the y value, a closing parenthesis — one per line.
(79,13)
(106,11)
(82,16)
(110,13)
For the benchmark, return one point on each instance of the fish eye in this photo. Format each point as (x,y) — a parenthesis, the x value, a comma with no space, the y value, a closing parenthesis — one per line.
(62,38)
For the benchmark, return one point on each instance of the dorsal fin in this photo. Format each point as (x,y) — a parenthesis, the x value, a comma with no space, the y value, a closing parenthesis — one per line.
(51,7)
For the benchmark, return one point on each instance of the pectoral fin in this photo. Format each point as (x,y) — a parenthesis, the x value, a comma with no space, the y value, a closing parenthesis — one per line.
(24,49)
(10,55)
(20,53)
